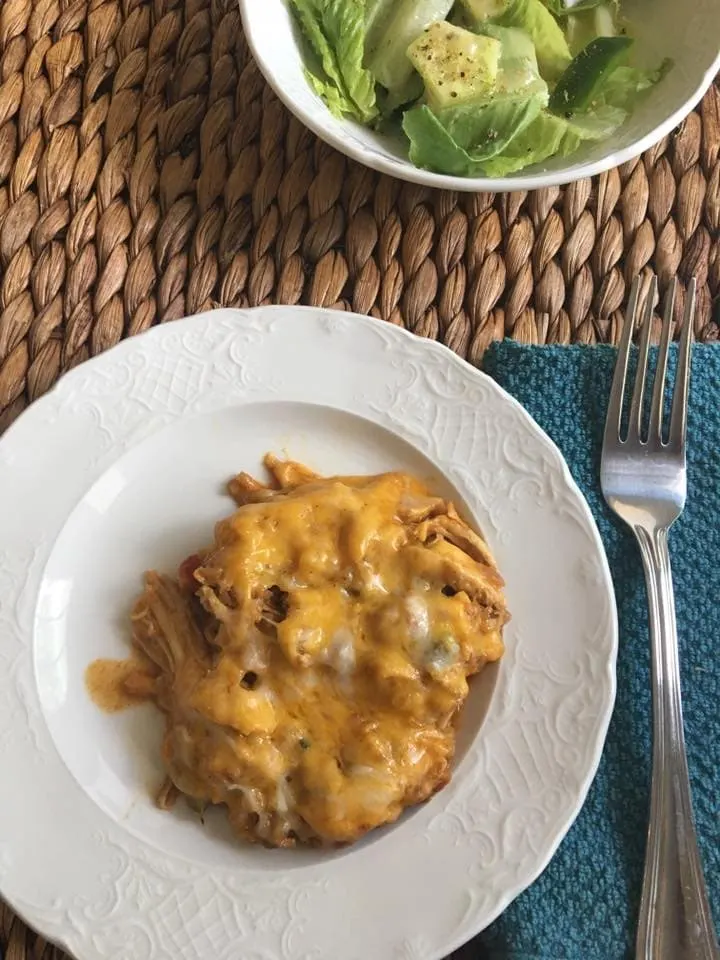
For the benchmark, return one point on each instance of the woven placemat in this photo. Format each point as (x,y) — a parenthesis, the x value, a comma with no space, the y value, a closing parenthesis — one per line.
(147,172)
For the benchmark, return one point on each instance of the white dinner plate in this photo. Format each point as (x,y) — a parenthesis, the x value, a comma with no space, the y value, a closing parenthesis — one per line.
(120,468)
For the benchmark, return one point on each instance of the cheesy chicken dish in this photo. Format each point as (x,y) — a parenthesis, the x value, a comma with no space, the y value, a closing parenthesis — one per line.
(311,663)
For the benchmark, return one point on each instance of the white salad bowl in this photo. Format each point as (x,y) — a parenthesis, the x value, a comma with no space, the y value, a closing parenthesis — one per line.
(688,32)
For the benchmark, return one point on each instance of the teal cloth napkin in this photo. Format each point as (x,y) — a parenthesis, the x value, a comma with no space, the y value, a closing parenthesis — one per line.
(584,906)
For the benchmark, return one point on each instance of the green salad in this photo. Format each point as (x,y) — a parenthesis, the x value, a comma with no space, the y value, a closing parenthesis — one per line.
(479,87)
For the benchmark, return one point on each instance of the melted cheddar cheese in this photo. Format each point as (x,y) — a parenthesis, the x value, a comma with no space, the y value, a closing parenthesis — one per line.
(312,662)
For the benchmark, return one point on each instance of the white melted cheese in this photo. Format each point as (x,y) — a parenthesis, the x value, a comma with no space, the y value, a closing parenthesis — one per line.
(255,652)
(285,801)
(418,619)
(341,653)
(429,652)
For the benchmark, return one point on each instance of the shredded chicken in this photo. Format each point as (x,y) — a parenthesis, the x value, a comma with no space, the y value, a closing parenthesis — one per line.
(311,664)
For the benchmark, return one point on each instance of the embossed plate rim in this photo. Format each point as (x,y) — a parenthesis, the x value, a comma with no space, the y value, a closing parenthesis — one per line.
(121,896)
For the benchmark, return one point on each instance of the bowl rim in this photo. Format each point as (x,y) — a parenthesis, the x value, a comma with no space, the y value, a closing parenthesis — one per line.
(405,170)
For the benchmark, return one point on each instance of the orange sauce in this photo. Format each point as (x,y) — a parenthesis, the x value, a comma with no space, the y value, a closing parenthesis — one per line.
(105,682)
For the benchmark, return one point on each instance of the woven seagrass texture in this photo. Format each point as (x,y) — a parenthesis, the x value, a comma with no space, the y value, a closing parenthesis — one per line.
(147,172)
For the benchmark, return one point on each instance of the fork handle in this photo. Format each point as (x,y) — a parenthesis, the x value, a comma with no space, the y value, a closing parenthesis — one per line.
(675,921)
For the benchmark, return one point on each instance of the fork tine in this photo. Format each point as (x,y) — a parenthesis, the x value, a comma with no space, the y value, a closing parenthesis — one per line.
(614,413)
(658,398)
(678,417)
(636,407)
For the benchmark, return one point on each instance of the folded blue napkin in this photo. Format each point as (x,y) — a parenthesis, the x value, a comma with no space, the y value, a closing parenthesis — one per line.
(584,906)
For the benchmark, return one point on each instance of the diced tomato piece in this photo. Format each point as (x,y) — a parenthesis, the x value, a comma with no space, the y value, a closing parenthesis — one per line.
(186,573)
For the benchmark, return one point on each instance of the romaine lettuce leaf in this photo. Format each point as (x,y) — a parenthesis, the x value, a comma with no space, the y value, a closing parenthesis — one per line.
(390,103)
(561,9)
(626,84)
(386,54)
(518,68)
(553,53)
(479,10)
(376,15)
(552,136)
(335,30)
(585,24)
(335,100)
(557,7)
(458,140)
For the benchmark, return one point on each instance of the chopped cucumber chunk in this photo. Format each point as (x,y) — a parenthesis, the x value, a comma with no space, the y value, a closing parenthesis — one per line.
(456,65)
(580,83)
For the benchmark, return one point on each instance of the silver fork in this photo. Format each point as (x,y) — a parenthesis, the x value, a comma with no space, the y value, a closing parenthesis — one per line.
(644,480)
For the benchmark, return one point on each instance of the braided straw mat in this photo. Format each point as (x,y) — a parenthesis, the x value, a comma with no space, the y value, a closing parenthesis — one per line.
(147,172)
